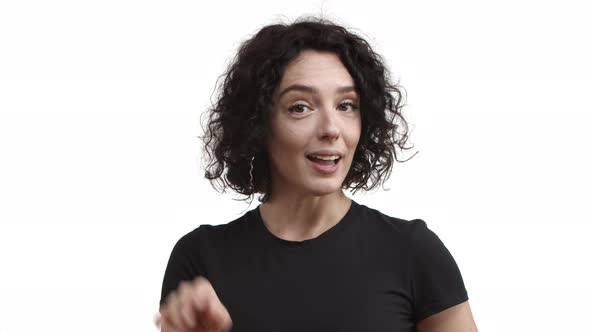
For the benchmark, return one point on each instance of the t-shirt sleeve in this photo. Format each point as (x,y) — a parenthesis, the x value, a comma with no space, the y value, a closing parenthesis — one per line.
(185,262)
(437,283)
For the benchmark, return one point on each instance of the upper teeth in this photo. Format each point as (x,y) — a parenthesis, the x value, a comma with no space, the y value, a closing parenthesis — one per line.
(326,157)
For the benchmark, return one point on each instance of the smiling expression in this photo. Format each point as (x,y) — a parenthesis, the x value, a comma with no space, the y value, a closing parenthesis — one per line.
(315,109)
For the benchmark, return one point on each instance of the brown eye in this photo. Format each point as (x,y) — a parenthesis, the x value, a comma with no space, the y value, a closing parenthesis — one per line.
(348,106)
(297,108)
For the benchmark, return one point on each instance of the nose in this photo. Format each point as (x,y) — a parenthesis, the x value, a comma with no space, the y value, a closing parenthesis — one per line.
(328,127)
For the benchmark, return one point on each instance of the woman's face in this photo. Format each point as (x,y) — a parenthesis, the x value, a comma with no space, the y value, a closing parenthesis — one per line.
(315,114)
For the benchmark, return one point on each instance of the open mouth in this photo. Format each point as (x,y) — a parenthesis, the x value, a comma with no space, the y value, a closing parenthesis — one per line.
(326,161)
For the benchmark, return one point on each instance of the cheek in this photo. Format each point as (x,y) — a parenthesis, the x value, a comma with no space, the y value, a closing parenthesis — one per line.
(353,133)
(287,144)
(290,138)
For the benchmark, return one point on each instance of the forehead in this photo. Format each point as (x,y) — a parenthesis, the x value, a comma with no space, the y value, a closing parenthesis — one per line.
(316,68)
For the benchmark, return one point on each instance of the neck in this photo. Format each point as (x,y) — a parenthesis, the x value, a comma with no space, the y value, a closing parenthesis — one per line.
(302,218)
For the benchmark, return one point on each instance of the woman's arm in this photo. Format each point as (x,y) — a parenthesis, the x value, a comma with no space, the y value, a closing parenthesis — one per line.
(454,319)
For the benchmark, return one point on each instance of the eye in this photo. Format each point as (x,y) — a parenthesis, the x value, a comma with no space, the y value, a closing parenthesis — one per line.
(348,106)
(297,108)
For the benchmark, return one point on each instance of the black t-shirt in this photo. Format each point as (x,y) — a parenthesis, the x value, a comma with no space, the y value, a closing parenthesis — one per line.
(369,272)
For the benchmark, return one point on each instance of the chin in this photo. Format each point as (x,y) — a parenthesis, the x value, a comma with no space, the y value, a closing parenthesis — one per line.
(323,189)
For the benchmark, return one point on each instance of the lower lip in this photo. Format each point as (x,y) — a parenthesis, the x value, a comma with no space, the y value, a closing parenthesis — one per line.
(324,169)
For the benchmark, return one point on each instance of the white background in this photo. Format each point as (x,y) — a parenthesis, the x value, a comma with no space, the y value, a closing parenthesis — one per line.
(100,103)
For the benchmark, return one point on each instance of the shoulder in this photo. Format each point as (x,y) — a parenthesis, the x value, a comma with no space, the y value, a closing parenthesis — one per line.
(415,237)
(206,234)
(384,222)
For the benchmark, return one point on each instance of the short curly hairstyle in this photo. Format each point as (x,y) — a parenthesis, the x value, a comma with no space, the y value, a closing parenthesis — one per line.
(238,122)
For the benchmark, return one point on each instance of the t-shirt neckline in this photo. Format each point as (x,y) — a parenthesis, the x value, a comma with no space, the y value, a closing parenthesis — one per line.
(347,219)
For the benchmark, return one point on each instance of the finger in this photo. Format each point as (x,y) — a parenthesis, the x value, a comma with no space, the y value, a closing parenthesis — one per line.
(227,322)
(201,306)
(157,320)
(187,310)
(210,316)
(166,325)
(173,314)
(211,313)
(225,319)
(215,316)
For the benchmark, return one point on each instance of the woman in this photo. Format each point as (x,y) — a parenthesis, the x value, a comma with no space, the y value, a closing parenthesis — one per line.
(305,111)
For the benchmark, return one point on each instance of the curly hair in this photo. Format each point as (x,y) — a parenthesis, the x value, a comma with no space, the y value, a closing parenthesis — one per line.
(238,122)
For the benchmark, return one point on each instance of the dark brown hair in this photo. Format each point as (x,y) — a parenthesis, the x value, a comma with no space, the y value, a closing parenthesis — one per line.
(238,127)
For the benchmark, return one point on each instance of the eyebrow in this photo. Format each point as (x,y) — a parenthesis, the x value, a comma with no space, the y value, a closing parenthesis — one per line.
(311,89)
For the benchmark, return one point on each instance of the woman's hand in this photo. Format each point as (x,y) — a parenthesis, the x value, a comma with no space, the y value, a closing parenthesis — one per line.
(194,307)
